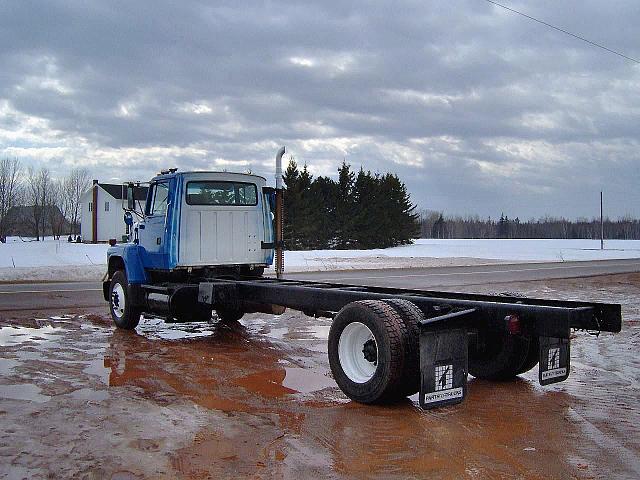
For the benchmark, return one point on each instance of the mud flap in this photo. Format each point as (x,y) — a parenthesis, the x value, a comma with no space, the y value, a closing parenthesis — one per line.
(554,360)
(443,367)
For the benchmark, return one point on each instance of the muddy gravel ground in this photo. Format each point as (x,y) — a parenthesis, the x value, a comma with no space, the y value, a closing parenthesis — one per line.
(79,399)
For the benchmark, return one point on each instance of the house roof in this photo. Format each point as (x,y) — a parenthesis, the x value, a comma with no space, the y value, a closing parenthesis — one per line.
(139,193)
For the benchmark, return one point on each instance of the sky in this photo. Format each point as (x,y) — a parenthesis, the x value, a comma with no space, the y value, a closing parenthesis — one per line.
(478,110)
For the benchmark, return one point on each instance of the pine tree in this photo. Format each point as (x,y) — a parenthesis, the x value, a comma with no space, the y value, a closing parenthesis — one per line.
(344,207)
(291,179)
(402,221)
(324,193)
(306,227)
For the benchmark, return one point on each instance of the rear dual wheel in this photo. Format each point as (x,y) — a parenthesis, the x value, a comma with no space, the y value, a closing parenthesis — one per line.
(373,350)
(229,314)
(497,355)
(411,315)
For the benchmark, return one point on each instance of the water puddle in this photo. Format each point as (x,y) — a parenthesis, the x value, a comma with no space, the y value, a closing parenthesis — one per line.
(277,333)
(267,383)
(24,391)
(7,365)
(98,369)
(306,381)
(156,328)
(320,332)
(16,335)
(285,381)
(89,394)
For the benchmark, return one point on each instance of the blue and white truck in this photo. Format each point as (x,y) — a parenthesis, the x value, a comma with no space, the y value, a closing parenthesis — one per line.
(202,244)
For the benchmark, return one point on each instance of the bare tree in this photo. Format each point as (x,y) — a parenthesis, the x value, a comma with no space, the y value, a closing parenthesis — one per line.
(56,207)
(75,184)
(10,192)
(38,184)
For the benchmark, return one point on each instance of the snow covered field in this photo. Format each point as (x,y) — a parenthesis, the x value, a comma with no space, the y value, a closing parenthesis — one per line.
(59,260)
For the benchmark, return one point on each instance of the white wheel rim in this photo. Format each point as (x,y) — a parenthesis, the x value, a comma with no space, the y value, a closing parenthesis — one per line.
(350,352)
(118,300)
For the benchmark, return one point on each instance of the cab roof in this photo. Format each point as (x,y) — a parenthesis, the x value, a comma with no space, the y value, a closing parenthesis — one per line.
(174,174)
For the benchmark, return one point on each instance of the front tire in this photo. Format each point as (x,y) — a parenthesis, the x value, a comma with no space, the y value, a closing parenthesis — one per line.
(367,351)
(124,315)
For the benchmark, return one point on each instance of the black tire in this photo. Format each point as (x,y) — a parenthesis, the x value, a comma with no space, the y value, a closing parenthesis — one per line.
(125,316)
(200,313)
(533,356)
(256,272)
(229,314)
(498,355)
(411,315)
(390,338)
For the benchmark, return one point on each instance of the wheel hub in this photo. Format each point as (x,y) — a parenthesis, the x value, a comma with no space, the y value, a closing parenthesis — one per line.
(118,300)
(370,351)
(358,352)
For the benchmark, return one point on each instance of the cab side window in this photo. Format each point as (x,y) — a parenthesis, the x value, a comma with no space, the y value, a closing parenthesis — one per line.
(159,198)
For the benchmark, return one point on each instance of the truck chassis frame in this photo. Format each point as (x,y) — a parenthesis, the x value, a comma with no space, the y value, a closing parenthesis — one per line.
(450,322)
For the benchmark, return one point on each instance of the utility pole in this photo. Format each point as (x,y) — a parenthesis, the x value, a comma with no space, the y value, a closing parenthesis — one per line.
(601,225)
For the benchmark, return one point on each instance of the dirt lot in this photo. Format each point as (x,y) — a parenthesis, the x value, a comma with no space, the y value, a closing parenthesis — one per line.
(79,399)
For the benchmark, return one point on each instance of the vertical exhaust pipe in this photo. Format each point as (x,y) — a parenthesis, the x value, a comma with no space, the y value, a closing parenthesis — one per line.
(279,215)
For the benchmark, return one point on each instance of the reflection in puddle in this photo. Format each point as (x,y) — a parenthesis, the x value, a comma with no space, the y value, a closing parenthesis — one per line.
(25,391)
(16,335)
(157,328)
(278,333)
(306,381)
(320,332)
(7,365)
(97,368)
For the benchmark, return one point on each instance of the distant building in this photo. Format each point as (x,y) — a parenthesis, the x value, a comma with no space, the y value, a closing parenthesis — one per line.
(21,221)
(102,214)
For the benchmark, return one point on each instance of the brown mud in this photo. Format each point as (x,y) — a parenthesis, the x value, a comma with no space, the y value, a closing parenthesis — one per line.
(79,399)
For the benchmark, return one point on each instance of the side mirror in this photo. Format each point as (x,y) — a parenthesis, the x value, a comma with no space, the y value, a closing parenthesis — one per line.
(128,219)
(131,202)
(270,196)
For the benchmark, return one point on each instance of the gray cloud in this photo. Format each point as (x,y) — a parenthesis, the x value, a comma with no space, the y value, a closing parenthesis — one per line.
(477,110)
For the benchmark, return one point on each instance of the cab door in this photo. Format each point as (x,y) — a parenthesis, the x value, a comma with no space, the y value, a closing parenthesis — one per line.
(153,232)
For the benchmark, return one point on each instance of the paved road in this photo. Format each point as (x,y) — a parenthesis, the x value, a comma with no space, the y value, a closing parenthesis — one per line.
(435,277)
(88,295)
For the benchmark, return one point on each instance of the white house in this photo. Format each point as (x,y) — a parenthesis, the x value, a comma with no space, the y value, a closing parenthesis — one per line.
(102,214)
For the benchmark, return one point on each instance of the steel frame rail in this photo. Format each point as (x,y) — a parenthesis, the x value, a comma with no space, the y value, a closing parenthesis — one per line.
(552,318)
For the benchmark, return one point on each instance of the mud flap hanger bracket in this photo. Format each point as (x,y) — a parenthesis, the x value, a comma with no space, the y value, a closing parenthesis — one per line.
(444,358)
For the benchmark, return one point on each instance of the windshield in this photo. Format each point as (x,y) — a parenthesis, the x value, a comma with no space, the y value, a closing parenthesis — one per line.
(221,193)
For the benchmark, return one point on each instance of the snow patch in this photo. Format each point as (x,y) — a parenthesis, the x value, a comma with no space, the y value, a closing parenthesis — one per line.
(60,260)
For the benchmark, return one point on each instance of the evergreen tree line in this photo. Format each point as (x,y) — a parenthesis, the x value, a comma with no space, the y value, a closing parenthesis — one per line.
(358,211)
(436,225)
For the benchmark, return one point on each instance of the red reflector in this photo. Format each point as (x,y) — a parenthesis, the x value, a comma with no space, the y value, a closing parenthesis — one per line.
(112,241)
(513,324)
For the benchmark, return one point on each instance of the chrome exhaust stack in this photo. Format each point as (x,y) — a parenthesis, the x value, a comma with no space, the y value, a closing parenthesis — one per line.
(279,215)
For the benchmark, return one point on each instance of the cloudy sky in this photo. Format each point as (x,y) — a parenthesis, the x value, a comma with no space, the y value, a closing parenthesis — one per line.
(477,109)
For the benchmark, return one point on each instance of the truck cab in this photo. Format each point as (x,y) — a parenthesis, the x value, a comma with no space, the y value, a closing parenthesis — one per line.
(196,225)
(195,220)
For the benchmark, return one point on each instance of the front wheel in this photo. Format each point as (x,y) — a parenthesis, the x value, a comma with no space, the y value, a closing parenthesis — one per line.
(124,315)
